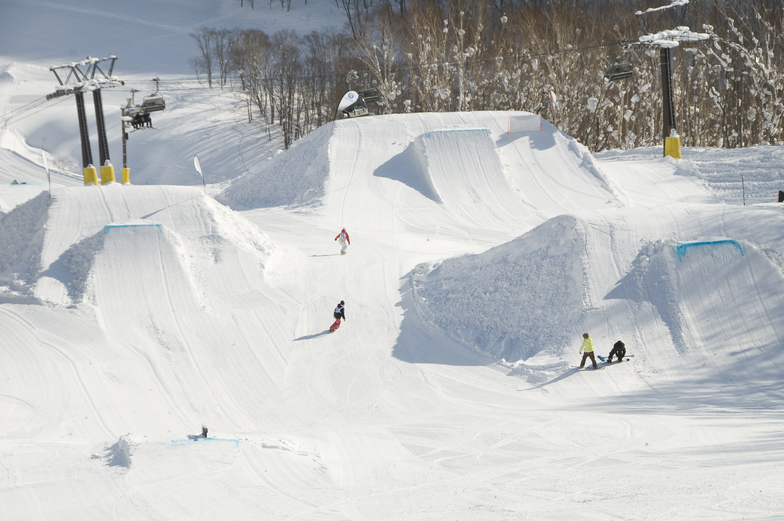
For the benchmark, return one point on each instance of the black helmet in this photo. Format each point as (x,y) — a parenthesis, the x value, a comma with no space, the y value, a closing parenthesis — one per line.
(341,302)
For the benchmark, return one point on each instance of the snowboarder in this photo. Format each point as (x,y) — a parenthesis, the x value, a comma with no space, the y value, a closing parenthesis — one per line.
(339,313)
(618,350)
(197,437)
(587,346)
(342,237)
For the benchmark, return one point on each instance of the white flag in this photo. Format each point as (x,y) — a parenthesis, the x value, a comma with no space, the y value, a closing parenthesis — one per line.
(349,99)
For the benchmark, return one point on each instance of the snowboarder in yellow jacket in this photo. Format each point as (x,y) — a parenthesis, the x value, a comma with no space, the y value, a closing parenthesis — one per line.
(587,349)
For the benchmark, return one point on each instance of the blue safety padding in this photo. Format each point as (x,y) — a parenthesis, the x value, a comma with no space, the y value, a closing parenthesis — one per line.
(203,440)
(110,226)
(680,250)
(486,131)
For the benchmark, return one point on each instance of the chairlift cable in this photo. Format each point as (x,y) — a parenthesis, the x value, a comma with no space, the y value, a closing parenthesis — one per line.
(29,106)
(8,120)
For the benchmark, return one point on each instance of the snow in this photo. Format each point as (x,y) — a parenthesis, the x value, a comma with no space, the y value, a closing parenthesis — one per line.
(133,314)
(671,37)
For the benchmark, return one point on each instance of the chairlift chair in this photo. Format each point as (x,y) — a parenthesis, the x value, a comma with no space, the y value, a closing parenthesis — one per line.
(357,109)
(619,71)
(369,95)
(153,103)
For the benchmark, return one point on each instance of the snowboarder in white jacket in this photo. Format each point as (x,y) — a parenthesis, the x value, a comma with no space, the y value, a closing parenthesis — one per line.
(344,241)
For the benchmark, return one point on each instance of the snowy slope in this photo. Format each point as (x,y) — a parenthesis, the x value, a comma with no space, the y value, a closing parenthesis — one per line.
(197,120)
(134,314)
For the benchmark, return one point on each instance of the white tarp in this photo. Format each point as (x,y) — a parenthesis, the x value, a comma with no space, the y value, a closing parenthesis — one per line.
(525,123)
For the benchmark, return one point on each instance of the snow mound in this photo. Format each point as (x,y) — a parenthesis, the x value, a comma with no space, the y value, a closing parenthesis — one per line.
(513,301)
(179,221)
(78,262)
(22,239)
(410,168)
(295,176)
(699,289)
(119,454)
(431,160)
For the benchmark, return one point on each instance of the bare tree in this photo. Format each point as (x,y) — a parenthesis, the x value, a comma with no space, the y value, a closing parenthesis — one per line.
(203,37)
(221,46)
(250,52)
(285,71)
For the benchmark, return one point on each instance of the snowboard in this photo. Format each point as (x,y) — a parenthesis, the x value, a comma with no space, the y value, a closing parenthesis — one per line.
(604,360)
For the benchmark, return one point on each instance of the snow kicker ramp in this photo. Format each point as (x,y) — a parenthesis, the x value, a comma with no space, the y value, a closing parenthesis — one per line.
(513,301)
(464,165)
(170,278)
(703,305)
(454,174)
(462,168)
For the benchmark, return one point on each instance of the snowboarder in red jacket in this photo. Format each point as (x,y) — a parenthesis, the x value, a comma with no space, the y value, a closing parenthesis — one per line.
(344,241)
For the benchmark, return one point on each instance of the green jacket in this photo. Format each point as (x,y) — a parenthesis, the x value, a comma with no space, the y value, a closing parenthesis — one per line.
(587,345)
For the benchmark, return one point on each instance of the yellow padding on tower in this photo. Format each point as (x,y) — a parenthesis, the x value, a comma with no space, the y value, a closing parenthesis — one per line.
(90,176)
(126,176)
(672,147)
(107,174)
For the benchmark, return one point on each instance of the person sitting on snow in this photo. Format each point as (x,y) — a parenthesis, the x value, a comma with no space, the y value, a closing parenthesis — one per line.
(618,350)
(344,241)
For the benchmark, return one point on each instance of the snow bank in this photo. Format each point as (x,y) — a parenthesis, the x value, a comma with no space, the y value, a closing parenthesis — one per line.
(295,176)
(119,454)
(513,301)
(78,262)
(22,238)
(721,169)
(699,289)
(410,168)
(431,162)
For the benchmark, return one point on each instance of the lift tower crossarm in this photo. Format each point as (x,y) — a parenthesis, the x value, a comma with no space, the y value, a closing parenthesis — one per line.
(86,78)
(666,40)
(82,78)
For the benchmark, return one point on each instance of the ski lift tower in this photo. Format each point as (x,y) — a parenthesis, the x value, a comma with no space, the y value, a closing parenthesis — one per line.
(666,40)
(81,78)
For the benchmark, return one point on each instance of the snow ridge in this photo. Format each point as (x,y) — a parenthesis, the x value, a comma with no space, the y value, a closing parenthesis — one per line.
(540,274)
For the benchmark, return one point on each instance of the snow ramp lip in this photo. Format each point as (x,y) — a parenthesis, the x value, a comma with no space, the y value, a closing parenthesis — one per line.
(191,441)
(109,227)
(681,249)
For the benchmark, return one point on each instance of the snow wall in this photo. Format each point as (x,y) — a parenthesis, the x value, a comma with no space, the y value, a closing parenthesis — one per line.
(539,292)
(699,289)
(512,301)
(296,176)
